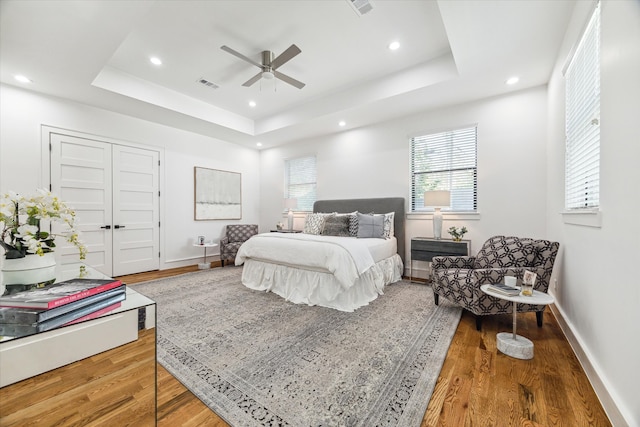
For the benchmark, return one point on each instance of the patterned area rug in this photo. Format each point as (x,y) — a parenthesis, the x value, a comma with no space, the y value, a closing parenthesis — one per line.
(258,360)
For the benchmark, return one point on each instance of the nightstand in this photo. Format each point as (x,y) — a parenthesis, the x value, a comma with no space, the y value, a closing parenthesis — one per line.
(425,248)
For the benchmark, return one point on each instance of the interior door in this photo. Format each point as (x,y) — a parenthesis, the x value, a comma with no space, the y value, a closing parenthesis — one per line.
(115,192)
(136,242)
(81,176)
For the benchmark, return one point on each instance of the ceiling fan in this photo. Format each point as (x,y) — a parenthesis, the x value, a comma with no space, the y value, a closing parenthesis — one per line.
(270,65)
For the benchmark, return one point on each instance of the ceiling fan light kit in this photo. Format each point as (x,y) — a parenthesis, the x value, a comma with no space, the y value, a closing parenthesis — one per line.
(270,65)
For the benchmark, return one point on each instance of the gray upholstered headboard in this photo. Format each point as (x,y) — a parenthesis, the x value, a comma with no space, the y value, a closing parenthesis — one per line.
(378,206)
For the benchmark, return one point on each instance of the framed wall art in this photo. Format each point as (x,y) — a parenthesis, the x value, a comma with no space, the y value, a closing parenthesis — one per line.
(218,194)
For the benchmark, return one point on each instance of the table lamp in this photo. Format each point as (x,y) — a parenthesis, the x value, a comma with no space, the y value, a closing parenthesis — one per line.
(437,199)
(290,204)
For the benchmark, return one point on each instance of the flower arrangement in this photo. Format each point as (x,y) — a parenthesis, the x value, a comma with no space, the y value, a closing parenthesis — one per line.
(20,217)
(457,233)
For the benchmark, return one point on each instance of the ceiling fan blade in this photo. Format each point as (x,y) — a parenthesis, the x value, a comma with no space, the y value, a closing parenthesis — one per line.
(285,56)
(239,55)
(290,80)
(253,79)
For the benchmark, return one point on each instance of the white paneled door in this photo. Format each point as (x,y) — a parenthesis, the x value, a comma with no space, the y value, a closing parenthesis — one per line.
(114,191)
(135,215)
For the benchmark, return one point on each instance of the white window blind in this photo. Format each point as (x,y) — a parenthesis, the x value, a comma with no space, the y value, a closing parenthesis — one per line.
(300,181)
(445,161)
(582,155)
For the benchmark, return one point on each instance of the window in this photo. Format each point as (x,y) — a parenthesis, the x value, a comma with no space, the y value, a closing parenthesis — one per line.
(300,181)
(582,121)
(445,161)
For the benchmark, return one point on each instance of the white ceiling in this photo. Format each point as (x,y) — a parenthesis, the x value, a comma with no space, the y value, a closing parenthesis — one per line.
(97,52)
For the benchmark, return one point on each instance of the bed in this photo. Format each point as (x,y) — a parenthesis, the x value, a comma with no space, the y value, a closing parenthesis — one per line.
(334,271)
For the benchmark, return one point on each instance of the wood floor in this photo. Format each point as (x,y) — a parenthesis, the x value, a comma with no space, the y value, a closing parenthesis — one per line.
(112,388)
(477,386)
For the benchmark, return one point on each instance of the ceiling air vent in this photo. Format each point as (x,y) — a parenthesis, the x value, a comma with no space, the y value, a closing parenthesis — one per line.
(207,83)
(362,7)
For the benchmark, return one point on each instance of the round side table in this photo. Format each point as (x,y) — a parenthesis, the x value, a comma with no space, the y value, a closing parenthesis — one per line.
(204,264)
(512,344)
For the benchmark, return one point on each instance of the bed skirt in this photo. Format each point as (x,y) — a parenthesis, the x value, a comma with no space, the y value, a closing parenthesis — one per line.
(321,288)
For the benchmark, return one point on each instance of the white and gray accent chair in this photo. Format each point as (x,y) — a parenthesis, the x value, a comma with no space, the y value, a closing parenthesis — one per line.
(458,279)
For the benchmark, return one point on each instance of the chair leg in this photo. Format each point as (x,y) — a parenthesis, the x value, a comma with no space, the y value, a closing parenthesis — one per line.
(436,298)
(539,318)
(478,323)
(222,262)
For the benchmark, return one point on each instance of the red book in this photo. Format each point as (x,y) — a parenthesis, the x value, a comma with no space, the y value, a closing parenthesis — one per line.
(58,294)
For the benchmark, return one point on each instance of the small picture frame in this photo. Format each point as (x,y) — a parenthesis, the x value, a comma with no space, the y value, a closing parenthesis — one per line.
(529,278)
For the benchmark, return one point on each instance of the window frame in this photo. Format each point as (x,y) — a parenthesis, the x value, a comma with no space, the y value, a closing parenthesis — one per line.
(307,205)
(416,195)
(582,122)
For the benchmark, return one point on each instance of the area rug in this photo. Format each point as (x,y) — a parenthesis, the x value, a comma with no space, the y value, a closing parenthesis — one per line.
(257,360)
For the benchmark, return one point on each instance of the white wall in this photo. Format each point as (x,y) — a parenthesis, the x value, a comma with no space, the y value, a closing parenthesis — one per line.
(374,162)
(598,293)
(22,114)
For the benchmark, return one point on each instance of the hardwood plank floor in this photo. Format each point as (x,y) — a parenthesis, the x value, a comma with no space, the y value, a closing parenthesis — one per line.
(477,384)
(112,388)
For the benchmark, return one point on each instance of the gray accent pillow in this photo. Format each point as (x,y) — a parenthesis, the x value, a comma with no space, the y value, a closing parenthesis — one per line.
(337,225)
(370,226)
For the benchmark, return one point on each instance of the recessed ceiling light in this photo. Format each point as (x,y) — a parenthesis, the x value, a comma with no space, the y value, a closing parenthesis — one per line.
(155,60)
(252,104)
(513,80)
(259,144)
(394,45)
(22,79)
(342,123)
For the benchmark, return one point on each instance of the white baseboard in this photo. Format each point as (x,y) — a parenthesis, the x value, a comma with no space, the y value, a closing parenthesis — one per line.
(591,370)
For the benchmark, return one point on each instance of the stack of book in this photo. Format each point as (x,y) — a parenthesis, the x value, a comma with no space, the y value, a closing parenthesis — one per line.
(504,289)
(59,304)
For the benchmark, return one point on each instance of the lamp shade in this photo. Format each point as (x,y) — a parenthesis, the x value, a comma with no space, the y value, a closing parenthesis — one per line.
(291,203)
(437,198)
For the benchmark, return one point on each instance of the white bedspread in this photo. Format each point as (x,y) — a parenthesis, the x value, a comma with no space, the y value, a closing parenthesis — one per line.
(347,258)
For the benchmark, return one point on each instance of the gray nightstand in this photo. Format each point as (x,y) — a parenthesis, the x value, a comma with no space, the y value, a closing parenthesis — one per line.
(425,248)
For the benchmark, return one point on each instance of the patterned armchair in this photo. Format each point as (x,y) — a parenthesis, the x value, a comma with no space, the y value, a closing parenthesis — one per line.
(236,235)
(458,279)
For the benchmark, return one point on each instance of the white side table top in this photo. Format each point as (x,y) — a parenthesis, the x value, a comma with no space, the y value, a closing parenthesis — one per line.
(205,245)
(538,298)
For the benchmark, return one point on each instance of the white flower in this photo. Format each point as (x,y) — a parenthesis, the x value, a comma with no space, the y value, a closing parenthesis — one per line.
(26,230)
(20,218)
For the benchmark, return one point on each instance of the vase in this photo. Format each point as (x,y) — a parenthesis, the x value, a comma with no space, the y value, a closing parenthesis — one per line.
(29,271)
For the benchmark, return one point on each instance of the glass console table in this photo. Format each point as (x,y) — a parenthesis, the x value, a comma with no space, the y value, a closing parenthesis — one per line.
(83,359)
(133,300)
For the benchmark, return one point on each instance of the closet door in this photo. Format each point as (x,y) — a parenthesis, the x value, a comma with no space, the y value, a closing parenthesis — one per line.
(81,176)
(136,242)
(114,190)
